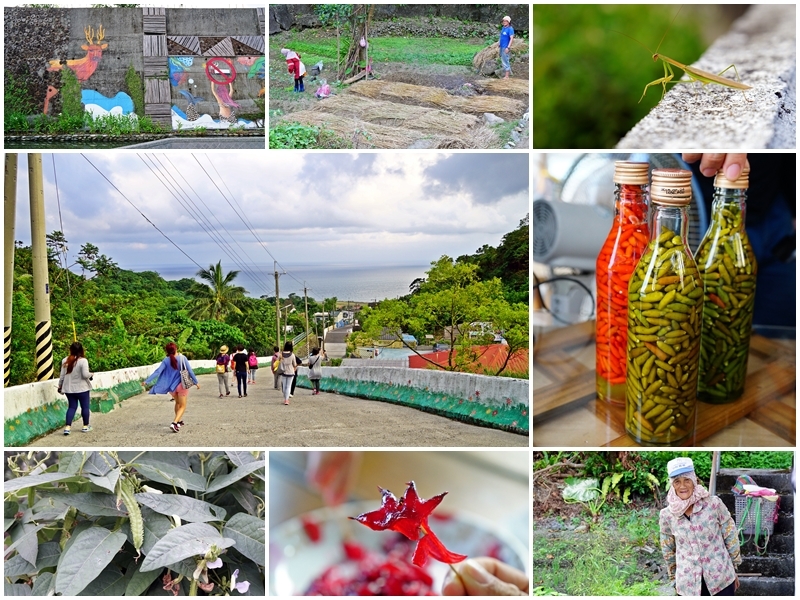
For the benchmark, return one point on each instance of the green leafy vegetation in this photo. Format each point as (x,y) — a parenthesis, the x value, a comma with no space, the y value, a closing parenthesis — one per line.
(16,96)
(123,319)
(417,50)
(581,64)
(71,105)
(127,523)
(455,306)
(292,135)
(135,87)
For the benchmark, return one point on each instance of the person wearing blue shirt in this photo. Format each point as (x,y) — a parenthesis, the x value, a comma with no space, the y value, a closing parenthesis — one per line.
(506,39)
(168,376)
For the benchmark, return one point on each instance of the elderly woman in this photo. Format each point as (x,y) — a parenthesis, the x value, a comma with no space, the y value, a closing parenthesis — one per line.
(698,536)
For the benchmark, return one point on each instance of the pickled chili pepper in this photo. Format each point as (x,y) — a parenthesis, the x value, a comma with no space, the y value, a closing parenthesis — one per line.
(409,516)
(728,267)
(665,308)
(618,257)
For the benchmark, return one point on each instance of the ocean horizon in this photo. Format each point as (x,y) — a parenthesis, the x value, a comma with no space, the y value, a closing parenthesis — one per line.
(364,283)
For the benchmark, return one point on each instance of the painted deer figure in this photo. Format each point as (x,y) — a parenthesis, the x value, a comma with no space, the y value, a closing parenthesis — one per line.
(84,67)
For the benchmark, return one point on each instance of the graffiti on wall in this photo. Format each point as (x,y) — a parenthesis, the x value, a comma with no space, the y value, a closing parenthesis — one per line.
(95,103)
(85,66)
(211,77)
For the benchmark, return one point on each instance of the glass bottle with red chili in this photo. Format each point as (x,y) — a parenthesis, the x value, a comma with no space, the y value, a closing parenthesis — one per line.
(618,257)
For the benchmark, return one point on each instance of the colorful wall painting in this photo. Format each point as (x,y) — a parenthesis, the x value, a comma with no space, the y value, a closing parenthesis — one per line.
(85,66)
(100,106)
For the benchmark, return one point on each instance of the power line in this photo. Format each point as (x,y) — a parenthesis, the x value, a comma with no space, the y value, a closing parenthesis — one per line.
(140,212)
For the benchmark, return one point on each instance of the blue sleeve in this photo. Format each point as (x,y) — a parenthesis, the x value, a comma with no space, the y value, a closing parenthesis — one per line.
(512,31)
(189,368)
(156,373)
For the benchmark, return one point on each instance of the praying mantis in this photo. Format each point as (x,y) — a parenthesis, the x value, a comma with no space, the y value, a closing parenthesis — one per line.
(693,73)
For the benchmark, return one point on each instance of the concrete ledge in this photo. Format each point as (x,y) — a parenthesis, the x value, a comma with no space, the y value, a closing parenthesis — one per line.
(762,45)
(498,402)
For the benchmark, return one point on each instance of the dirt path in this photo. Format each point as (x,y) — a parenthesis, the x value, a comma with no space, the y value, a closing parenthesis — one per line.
(262,420)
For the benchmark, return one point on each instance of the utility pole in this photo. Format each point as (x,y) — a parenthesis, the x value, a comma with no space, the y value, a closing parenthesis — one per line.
(308,348)
(277,308)
(9,214)
(41,285)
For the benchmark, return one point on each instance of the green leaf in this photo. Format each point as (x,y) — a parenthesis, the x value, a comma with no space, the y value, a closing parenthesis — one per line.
(47,509)
(71,462)
(91,551)
(107,481)
(182,542)
(245,498)
(580,490)
(240,457)
(16,566)
(188,509)
(156,526)
(98,464)
(23,538)
(16,589)
(139,582)
(31,480)
(615,478)
(94,504)
(248,532)
(8,523)
(44,585)
(49,553)
(172,475)
(235,475)
(111,582)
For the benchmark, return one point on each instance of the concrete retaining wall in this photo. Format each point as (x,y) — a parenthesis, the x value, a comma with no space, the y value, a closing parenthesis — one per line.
(199,67)
(762,45)
(33,409)
(499,402)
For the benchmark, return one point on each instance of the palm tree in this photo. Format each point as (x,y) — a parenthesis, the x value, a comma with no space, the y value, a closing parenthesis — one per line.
(217,298)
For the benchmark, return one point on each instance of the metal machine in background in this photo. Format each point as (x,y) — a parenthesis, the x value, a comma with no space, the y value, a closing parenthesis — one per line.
(569,230)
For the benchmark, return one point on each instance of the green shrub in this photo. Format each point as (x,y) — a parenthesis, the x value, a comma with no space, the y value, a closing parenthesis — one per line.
(288,135)
(71,104)
(15,122)
(135,88)
(16,96)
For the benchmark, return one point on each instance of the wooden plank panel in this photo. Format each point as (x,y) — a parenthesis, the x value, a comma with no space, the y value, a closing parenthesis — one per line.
(158,109)
(261,20)
(156,91)
(154,45)
(155,66)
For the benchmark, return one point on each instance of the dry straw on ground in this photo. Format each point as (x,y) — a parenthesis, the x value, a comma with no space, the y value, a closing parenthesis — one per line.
(493,52)
(395,114)
(507,87)
(423,95)
(363,134)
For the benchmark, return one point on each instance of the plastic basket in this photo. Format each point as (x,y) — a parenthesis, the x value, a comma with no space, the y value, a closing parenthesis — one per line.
(768,511)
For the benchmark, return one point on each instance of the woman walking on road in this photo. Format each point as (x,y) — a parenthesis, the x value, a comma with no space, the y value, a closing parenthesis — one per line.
(288,366)
(699,540)
(315,369)
(169,382)
(276,358)
(223,371)
(252,362)
(242,369)
(74,382)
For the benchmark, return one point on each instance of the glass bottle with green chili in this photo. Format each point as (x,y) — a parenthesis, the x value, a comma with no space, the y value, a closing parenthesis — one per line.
(615,264)
(665,304)
(728,268)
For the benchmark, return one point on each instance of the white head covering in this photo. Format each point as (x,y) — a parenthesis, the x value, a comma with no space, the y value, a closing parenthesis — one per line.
(683,467)
(507,18)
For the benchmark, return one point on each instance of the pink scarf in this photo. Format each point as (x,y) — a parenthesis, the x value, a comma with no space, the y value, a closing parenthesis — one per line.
(677,506)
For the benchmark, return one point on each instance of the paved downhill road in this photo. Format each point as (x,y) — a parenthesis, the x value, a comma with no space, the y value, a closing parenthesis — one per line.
(261,420)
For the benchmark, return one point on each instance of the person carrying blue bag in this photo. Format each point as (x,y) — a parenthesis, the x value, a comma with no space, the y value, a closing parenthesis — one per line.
(175,377)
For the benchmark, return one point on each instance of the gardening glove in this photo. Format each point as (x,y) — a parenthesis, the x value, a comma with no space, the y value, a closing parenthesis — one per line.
(485,576)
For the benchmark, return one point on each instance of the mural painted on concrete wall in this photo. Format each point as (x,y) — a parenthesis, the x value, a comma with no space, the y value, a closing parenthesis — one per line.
(94,102)
(209,78)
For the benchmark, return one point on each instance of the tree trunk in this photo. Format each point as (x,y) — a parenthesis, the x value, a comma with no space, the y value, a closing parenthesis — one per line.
(357,56)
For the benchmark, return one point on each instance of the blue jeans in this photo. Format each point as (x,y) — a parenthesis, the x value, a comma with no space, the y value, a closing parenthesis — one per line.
(505,59)
(74,399)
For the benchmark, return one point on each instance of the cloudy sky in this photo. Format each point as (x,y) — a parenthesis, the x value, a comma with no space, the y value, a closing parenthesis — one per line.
(307,208)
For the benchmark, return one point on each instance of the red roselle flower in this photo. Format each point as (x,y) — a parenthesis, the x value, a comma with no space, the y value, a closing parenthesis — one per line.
(409,516)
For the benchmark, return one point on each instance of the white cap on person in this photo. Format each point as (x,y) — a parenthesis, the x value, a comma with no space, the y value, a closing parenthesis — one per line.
(679,466)
(507,18)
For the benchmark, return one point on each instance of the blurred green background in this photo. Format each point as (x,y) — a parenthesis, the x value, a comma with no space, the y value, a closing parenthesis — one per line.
(587,79)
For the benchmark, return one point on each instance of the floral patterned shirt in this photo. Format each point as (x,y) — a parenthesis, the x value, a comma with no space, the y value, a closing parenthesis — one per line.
(704,546)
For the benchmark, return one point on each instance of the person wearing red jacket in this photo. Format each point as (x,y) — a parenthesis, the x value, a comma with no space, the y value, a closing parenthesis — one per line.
(295,67)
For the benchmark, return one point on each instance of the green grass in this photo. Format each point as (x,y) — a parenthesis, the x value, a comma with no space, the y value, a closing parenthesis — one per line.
(290,135)
(419,51)
(601,562)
